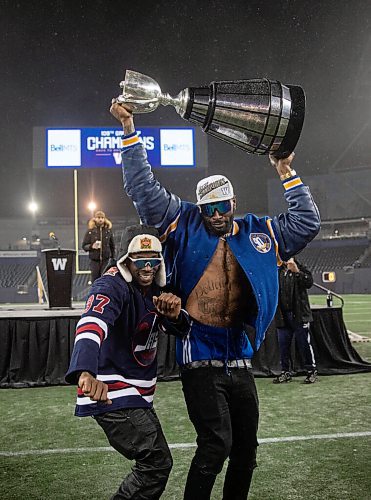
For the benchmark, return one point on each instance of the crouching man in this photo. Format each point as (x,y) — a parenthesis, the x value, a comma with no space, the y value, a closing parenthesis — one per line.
(114,359)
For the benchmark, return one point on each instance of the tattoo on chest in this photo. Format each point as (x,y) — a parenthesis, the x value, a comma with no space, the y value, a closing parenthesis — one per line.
(212,307)
(205,289)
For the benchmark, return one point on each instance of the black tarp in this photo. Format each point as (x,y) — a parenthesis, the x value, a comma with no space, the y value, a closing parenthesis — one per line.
(36,352)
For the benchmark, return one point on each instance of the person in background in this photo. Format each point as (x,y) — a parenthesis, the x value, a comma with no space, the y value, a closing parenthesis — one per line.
(225,272)
(293,319)
(99,242)
(114,359)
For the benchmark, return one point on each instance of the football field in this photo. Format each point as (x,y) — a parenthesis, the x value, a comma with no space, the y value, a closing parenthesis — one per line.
(315,440)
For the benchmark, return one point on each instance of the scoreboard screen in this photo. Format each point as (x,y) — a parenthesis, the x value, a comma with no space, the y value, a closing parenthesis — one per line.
(100,147)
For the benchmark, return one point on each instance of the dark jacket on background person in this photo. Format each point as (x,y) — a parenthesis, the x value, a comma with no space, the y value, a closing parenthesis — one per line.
(293,295)
(99,233)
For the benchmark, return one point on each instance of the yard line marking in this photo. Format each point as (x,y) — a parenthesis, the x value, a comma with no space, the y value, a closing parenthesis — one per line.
(360,311)
(184,445)
(358,320)
(356,302)
(315,436)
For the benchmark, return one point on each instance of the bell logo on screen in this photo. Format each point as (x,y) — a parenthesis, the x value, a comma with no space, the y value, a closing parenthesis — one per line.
(64,148)
(177,147)
(59,264)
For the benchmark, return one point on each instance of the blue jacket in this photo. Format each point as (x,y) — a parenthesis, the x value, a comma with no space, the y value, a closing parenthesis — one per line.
(258,244)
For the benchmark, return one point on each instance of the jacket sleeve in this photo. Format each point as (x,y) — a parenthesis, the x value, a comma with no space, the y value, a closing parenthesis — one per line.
(112,245)
(179,328)
(155,205)
(86,243)
(103,307)
(300,224)
(305,277)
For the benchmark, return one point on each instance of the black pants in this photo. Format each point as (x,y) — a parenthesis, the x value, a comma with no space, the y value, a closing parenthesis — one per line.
(223,407)
(136,433)
(301,333)
(96,268)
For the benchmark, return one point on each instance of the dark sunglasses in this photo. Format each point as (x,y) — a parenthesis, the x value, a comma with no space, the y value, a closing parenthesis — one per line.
(222,207)
(142,263)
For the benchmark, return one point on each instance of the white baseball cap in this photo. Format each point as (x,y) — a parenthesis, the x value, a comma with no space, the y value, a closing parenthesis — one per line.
(214,188)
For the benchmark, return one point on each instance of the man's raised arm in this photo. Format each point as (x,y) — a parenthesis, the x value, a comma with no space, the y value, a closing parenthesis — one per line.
(301,223)
(154,204)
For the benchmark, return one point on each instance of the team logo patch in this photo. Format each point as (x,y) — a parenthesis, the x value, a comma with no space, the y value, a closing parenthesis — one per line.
(145,244)
(261,242)
(144,343)
(225,190)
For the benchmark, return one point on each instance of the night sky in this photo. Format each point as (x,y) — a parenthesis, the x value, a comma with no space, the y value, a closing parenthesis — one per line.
(61,63)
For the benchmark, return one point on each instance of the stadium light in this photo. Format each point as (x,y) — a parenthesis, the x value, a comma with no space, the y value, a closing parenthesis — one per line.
(33,207)
(92,206)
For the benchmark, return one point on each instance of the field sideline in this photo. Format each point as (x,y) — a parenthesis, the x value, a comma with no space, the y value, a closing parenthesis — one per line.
(315,440)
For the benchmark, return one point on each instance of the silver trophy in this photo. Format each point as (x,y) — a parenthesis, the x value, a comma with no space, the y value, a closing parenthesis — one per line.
(259,116)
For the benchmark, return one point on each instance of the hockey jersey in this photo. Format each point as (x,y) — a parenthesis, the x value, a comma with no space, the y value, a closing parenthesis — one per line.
(116,341)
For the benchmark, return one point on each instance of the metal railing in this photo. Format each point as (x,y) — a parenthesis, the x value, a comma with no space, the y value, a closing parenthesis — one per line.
(330,295)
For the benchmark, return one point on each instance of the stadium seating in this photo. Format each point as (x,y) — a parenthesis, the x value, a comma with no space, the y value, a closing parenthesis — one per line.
(327,252)
(319,259)
(14,274)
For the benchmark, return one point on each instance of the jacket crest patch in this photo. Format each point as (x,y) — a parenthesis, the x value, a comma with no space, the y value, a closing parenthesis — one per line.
(261,242)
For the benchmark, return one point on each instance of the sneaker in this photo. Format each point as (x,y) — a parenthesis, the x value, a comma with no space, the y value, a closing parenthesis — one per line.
(281,379)
(311,377)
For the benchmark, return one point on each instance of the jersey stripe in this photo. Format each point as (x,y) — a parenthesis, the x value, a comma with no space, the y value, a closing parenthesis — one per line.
(90,327)
(93,319)
(134,382)
(88,336)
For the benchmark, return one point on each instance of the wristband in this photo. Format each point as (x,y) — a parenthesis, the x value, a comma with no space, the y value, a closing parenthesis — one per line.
(287,175)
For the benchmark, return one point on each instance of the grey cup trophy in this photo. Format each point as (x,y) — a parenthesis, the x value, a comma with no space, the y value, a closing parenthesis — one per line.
(259,116)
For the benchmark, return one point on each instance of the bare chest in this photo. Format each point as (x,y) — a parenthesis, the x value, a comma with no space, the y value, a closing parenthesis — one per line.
(223,291)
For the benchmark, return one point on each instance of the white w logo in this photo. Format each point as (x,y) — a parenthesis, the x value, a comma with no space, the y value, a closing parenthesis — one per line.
(59,264)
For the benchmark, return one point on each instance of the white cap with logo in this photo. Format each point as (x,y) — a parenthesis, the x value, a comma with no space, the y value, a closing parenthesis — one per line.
(214,188)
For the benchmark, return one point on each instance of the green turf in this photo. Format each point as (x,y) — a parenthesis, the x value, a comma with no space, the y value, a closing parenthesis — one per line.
(41,418)
(326,469)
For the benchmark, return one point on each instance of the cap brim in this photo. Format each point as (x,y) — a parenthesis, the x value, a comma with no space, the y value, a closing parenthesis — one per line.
(215,200)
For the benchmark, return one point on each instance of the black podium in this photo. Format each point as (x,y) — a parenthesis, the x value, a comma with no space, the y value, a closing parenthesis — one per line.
(59,268)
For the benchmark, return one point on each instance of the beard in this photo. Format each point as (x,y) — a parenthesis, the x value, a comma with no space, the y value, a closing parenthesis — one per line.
(219,227)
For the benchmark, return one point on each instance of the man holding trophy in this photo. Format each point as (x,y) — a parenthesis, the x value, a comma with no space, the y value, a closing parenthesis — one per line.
(224,269)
